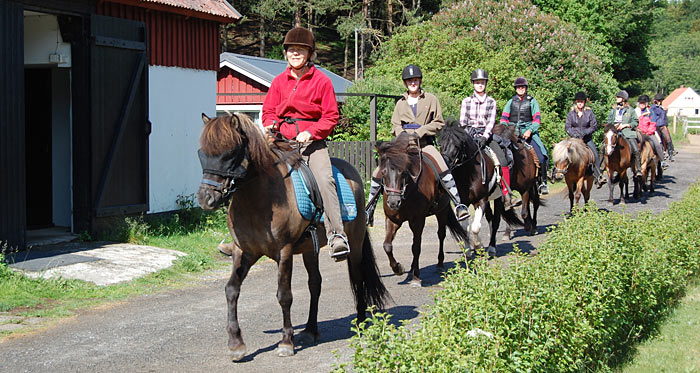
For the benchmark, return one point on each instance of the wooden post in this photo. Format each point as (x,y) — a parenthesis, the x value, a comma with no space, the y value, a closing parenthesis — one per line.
(674,122)
(373,119)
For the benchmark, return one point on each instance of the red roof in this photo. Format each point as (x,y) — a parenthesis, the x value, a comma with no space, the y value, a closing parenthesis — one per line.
(673,96)
(216,10)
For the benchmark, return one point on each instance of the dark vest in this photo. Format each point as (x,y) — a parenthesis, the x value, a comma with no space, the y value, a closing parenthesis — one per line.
(520,110)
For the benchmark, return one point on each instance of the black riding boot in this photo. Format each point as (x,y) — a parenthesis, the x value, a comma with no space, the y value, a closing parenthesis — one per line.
(448,182)
(543,188)
(374,189)
(637,163)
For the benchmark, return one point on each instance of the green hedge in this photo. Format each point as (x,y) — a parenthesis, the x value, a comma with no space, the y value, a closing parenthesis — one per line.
(600,283)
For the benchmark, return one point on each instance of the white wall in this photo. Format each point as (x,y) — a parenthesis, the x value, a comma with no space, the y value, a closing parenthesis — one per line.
(42,38)
(177,99)
(687,104)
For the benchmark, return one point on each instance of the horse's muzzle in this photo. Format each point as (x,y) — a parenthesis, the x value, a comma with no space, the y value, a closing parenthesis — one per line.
(208,197)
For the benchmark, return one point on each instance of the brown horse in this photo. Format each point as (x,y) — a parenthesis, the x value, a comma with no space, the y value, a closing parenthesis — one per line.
(476,185)
(263,219)
(523,178)
(617,157)
(651,164)
(411,193)
(573,161)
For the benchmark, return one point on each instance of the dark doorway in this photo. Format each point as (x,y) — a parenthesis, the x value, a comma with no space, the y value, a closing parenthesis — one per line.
(37,99)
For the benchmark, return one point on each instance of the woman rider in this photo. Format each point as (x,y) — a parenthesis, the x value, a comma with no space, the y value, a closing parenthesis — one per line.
(477,117)
(658,115)
(523,111)
(301,105)
(647,127)
(625,121)
(418,112)
(581,123)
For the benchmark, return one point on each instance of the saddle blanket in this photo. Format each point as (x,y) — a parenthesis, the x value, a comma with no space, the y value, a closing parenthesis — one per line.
(348,207)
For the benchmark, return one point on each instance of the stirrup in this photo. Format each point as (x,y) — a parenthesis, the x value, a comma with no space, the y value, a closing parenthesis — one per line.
(543,189)
(465,209)
(342,254)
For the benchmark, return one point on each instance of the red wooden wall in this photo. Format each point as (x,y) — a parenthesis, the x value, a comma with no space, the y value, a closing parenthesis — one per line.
(174,40)
(229,81)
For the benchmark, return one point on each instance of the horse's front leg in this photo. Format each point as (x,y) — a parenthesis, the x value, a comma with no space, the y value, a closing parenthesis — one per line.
(417,226)
(624,181)
(475,227)
(391,229)
(525,212)
(588,185)
(572,189)
(284,297)
(310,334)
(494,220)
(442,218)
(241,264)
(611,187)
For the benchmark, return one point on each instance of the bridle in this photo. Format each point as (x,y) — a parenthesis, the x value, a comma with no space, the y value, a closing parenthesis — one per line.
(405,176)
(231,166)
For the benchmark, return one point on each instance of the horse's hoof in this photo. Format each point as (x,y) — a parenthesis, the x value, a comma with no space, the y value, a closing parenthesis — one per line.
(398,269)
(307,338)
(238,353)
(284,350)
(440,266)
(491,251)
(416,283)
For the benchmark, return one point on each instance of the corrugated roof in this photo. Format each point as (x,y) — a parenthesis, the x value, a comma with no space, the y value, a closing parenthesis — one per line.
(673,96)
(267,69)
(220,10)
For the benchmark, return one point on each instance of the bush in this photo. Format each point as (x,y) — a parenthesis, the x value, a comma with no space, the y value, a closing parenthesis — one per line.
(600,283)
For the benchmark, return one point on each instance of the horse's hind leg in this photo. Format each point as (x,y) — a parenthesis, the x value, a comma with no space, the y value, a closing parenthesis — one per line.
(391,229)
(310,334)
(417,226)
(442,225)
(241,264)
(284,297)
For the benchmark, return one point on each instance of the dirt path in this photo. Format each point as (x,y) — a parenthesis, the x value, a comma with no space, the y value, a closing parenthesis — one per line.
(184,330)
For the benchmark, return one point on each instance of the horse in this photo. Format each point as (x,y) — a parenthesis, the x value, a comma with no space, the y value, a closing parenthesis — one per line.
(523,178)
(411,193)
(617,156)
(263,220)
(651,164)
(465,158)
(573,161)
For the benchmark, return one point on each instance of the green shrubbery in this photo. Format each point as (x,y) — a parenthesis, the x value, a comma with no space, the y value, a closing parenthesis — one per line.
(600,283)
(507,38)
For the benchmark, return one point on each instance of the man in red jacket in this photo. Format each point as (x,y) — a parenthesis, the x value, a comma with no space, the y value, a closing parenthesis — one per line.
(301,104)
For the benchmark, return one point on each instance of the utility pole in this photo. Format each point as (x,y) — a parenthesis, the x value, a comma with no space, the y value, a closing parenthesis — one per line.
(355,54)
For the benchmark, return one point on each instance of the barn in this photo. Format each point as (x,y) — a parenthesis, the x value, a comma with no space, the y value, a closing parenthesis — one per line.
(100,108)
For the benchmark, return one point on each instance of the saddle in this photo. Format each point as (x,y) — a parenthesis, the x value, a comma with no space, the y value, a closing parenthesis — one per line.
(308,195)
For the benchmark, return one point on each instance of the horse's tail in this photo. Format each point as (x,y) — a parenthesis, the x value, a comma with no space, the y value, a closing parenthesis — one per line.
(459,234)
(512,218)
(367,286)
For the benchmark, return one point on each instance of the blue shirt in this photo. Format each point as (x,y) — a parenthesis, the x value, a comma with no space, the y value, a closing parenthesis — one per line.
(658,115)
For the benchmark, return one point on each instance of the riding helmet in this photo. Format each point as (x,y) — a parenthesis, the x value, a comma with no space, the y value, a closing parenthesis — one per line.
(519,82)
(300,36)
(480,74)
(659,97)
(623,94)
(411,71)
(580,96)
(643,98)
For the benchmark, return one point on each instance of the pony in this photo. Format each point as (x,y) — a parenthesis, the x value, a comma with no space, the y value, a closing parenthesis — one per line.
(477,182)
(651,165)
(617,156)
(523,178)
(263,220)
(411,193)
(572,162)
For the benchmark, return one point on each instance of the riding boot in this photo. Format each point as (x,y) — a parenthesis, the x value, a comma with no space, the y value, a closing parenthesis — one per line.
(505,184)
(374,189)
(543,188)
(448,182)
(637,164)
(671,151)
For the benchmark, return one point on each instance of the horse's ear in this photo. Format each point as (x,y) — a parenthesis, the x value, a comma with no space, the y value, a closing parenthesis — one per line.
(378,145)
(205,118)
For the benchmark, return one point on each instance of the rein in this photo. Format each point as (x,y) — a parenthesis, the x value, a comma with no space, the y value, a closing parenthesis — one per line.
(402,192)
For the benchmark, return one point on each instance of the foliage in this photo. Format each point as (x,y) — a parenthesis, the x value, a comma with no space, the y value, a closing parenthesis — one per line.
(457,40)
(600,283)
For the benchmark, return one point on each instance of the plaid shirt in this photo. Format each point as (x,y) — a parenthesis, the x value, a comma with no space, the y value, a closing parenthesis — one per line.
(478,117)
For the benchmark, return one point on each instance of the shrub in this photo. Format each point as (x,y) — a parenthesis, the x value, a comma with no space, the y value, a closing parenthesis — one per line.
(600,283)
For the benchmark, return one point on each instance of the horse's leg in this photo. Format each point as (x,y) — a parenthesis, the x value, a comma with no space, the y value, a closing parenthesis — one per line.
(525,212)
(475,227)
(572,187)
(494,219)
(241,264)
(535,207)
(310,334)
(588,185)
(611,187)
(391,229)
(284,297)
(442,225)
(417,226)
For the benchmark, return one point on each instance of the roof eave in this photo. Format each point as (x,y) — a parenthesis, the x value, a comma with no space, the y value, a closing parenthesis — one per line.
(183,11)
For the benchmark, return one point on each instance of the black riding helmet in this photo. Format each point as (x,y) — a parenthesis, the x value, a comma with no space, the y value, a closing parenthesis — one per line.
(519,82)
(659,97)
(580,96)
(480,74)
(643,99)
(411,71)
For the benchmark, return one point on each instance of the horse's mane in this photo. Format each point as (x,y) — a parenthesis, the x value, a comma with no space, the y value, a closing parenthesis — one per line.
(398,152)
(610,126)
(571,149)
(507,132)
(224,133)
(453,135)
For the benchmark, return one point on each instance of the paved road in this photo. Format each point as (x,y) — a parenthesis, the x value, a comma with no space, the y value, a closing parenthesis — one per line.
(184,330)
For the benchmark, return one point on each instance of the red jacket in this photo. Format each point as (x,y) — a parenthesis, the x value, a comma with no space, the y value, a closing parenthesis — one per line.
(646,126)
(312,97)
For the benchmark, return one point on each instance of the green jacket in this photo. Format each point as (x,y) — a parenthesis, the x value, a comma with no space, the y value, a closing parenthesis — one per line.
(428,119)
(629,117)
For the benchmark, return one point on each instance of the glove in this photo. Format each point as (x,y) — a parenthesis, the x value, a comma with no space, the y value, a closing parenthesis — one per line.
(481,141)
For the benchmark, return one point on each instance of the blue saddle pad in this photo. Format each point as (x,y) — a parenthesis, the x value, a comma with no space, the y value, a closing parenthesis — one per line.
(348,208)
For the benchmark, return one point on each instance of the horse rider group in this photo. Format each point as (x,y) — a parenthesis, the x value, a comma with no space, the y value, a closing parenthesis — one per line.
(301,105)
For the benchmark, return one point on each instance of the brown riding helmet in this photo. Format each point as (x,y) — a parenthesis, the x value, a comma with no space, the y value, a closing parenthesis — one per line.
(300,36)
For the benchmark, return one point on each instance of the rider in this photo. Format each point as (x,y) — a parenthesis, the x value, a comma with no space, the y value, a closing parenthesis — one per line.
(523,111)
(647,127)
(581,123)
(301,104)
(658,115)
(477,117)
(418,112)
(625,120)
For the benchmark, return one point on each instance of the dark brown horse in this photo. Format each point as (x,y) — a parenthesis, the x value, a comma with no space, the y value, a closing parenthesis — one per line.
(523,177)
(411,193)
(618,159)
(466,159)
(263,219)
(573,161)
